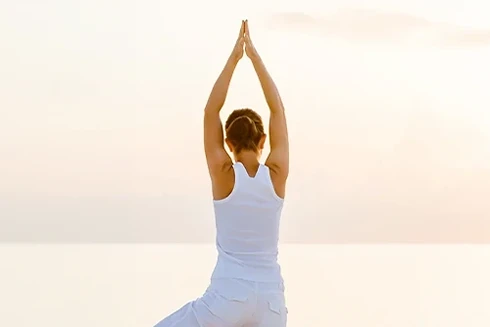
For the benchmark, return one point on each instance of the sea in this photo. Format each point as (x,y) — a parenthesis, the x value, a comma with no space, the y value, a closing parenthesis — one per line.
(338,285)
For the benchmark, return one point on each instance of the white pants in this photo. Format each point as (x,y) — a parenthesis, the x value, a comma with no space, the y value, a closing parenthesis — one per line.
(233,303)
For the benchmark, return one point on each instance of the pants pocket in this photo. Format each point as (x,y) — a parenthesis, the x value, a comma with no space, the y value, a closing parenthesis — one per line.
(232,294)
(278,307)
(226,305)
(275,314)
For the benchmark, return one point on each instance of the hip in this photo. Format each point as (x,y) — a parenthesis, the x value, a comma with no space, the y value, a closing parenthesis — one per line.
(233,302)
(264,301)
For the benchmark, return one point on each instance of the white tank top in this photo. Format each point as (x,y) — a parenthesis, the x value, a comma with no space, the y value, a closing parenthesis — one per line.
(247,228)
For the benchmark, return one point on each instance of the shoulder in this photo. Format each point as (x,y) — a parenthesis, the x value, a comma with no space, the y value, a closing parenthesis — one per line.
(278,180)
(222,180)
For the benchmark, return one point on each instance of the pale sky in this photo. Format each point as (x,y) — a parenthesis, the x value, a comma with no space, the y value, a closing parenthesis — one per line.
(101,117)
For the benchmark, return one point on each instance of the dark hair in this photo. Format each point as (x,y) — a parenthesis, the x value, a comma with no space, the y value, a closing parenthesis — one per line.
(244,129)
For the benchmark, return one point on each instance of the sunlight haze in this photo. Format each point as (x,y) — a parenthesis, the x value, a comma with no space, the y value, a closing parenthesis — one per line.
(102,102)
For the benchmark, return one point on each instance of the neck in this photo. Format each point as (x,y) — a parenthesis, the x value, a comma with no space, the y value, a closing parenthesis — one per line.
(247,157)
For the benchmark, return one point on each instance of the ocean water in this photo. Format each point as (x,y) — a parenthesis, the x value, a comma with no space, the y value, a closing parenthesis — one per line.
(326,285)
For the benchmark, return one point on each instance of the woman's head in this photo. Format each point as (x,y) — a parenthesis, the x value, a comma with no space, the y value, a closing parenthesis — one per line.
(245,131)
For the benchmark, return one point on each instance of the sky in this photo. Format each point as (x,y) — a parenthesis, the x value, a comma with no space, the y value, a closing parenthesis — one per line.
(102,101)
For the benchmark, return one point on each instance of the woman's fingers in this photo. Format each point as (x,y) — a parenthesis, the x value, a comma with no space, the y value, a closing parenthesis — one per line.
(247,33)
(242,30)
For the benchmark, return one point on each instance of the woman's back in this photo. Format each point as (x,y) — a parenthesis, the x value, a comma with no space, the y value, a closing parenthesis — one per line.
(247,226)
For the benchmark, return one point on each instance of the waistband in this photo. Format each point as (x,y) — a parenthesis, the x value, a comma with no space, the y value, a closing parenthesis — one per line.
(251,285)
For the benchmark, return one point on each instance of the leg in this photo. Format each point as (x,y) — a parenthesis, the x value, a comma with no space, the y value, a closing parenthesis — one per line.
(185,316)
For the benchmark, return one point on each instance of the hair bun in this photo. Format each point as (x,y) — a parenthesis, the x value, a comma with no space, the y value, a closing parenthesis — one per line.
(244,130)
(243,127)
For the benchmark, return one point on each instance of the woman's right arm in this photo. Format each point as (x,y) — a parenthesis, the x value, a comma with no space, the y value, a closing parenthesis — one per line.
(216,156)
(278,159)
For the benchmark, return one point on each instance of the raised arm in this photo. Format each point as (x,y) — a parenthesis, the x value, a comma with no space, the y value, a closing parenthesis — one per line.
(278,159)
(217,158)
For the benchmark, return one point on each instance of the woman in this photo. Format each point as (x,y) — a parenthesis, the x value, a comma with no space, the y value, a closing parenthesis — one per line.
(246,286)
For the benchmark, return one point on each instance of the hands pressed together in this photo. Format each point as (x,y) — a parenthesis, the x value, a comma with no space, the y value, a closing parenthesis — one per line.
(244,44)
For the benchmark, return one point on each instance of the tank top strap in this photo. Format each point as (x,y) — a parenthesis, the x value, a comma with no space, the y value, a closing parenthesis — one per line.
(263,174)
(267,179)
(240,171)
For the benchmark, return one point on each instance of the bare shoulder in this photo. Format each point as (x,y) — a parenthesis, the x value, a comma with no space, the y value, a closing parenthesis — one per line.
(278,178)
(223,181)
